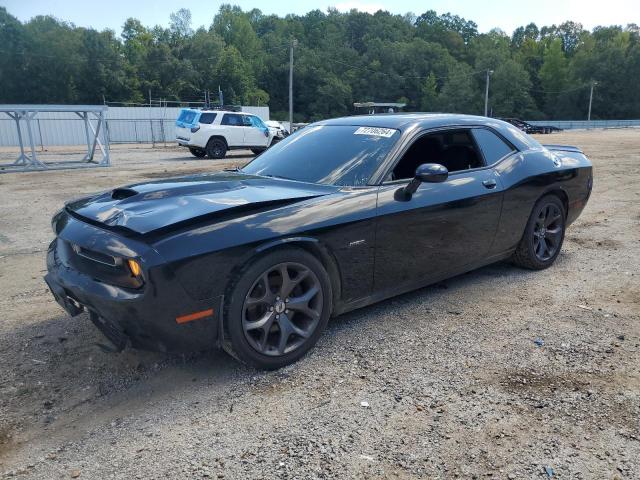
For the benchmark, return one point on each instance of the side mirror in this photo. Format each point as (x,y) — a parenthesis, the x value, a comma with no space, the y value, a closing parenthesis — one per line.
(428,173)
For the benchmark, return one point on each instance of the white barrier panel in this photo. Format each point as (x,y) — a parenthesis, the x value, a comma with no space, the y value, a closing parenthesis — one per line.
(25,120)
(124,125)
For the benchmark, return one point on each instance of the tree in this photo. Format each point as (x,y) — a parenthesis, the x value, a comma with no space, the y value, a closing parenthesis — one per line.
(429,98)
(180,24)
(431,61)
(553,77)
(458,94)
(510,96)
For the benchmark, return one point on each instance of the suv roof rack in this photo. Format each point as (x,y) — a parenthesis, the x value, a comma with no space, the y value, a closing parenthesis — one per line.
(228,108)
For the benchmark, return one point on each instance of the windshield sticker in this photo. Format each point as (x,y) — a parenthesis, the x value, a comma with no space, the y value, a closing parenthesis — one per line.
(376,132)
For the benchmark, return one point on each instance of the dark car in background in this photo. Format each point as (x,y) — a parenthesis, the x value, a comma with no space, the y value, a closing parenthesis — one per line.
(339,215)
(530,128)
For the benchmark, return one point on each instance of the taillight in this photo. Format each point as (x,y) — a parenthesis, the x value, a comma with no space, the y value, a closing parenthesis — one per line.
(195,129)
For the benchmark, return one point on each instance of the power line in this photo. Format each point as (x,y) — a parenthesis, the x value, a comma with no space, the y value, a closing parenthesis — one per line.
(560,91)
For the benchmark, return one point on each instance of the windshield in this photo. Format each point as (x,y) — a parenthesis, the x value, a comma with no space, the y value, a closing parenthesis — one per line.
(328,154)
(257,122)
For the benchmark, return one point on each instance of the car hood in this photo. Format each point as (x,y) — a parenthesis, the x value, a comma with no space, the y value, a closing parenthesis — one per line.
(170,203)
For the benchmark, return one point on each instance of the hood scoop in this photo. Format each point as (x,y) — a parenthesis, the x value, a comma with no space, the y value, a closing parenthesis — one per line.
(175,202)
(122,193)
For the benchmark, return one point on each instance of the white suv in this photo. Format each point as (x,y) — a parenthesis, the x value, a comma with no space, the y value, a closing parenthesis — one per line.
(214,132)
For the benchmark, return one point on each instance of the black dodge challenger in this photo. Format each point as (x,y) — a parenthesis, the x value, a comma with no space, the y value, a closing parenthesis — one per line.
(341,214)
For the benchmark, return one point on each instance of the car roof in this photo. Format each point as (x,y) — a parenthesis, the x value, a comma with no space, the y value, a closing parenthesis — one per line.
(402,121)
(424,121)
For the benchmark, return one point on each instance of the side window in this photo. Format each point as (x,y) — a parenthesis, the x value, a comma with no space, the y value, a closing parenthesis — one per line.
(246,121)
(455,149)
(232,119)
(207,118)
(493,147)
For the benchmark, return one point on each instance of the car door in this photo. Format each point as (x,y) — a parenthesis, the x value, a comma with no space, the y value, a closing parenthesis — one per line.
(441,229)
(233,129)
(256,134)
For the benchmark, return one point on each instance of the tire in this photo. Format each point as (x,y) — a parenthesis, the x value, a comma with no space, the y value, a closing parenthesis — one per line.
(258,151)
(197,152)
(257,320)
(216,148)
(543,236)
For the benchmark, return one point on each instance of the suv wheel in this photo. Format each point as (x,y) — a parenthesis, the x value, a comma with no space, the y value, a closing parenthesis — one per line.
(216,148)
(258,151)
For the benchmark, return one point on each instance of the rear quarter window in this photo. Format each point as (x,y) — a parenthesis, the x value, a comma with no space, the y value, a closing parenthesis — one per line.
(492,146)
(207,118)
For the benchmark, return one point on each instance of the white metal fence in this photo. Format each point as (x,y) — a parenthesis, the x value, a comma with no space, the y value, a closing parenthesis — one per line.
(586,124)
(124,125)
(156,125)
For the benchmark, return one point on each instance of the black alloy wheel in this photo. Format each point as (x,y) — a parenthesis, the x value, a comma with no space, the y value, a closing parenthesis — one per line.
(547,232)
(282,309)
(278,307)
(543,236)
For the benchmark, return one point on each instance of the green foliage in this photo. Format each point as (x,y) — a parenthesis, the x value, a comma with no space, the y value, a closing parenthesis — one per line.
(433,62)
(458,94)
(429,99)
(554,77)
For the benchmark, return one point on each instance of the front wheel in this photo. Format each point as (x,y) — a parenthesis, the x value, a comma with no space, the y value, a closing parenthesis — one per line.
(543,236)
(278,308)
(258,151)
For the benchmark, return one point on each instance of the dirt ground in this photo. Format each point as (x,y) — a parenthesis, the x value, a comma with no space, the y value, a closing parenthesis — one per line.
(444,382)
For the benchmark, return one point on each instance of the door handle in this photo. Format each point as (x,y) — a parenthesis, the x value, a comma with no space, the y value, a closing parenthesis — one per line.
(490,184)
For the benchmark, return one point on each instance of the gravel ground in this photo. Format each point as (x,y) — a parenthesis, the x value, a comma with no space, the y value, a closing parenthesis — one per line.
(500,373)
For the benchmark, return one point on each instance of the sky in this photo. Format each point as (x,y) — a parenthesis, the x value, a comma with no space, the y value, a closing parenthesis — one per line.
(504,14)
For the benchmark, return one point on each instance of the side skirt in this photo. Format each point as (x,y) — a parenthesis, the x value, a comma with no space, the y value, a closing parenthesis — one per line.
(341,307)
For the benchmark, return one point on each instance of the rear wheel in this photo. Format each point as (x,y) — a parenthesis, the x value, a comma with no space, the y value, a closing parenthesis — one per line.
(278,308)
(197,152)
(216,148)
(543,237)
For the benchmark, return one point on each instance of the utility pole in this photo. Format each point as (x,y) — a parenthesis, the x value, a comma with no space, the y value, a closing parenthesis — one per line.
(593,84)
(294,42)
(486,94)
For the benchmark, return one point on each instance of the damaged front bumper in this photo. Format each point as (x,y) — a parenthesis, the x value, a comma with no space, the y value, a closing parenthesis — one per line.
(146,317)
